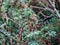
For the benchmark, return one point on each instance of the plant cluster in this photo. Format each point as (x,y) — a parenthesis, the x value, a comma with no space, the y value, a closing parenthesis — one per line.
(29,22)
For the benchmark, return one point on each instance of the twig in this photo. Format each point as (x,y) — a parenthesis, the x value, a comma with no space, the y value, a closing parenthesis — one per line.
(53,5)
(46,8)
(36,7)
(45,17)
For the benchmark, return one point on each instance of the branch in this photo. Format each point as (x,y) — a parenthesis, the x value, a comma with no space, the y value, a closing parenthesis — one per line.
(45,17)
(53,5)
(46,8)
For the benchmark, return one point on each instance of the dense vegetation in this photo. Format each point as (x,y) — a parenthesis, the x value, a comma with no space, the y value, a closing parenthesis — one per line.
(29,22)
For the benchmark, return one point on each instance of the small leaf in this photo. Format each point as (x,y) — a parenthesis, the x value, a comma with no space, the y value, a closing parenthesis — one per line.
(16,18)
(33,43)
(23,1)
(20,17)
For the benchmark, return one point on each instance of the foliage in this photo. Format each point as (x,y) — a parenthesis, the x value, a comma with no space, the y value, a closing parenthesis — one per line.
(29,22)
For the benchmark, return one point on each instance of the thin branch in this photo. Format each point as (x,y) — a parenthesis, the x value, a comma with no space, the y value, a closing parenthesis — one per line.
(45,17)
(42,14)
(53,4)
(36,7)
(46,8)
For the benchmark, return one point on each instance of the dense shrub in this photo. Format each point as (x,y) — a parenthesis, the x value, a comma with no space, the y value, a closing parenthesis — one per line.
(29,22)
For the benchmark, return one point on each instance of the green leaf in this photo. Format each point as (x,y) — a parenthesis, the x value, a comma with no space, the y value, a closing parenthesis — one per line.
(23,1)
(8,34)
(10,23)
(16,18)
(52,33)
(33,43)
(20,16)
